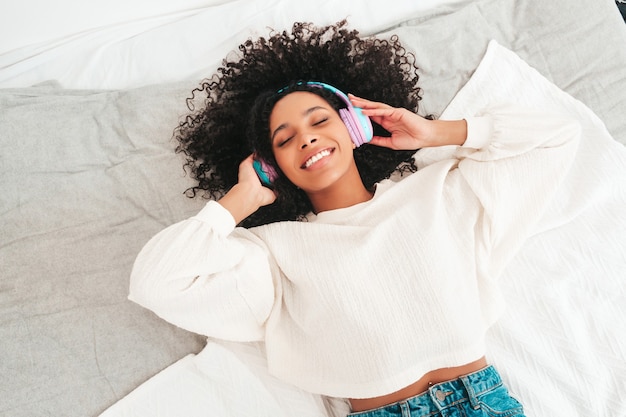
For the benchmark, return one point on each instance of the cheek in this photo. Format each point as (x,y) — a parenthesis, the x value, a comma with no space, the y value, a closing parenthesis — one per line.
(280,159)
(285,162)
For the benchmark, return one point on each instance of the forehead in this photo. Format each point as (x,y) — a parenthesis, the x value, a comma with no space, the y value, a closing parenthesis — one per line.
(295,104)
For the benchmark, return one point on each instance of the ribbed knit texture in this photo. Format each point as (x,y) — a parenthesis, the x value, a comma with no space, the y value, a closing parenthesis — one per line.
(362,301)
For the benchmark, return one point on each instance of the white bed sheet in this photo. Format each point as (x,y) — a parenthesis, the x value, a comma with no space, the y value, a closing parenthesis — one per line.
(559,345)
(121,45)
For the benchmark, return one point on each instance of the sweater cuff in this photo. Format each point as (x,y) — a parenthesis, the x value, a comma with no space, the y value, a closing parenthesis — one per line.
(479,131)
(217,217)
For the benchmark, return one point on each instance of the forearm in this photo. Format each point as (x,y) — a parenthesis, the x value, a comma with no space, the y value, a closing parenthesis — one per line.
(505,131)
(196,275)
(448,132)
(240,201)
(173,259)
(514,161)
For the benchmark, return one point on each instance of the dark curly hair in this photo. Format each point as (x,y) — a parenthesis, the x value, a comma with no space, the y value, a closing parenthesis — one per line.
(233,120)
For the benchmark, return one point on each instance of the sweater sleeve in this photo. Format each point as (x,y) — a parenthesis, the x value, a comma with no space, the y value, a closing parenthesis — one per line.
(514,161)
(202,276)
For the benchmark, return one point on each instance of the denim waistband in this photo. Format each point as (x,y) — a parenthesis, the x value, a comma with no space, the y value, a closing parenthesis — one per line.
(443,395)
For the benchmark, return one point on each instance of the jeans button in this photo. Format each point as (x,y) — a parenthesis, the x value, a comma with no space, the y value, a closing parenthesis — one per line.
(440,395)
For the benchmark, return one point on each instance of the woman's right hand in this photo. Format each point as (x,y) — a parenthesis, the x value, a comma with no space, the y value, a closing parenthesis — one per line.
(248,195)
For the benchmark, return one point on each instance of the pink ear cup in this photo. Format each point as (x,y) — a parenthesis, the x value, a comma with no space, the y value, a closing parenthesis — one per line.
(266,173)
(355,128)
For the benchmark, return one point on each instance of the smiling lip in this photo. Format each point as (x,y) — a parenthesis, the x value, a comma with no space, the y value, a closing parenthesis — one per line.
(317,156)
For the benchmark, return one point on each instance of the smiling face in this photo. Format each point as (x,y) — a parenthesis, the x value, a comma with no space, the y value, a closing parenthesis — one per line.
(311,143)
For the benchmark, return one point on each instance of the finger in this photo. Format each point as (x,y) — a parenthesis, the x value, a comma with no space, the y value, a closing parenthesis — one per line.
(366,104)
(378,111)
(269,196)
(384,117)
(247,162)
(246,169)
(383,141)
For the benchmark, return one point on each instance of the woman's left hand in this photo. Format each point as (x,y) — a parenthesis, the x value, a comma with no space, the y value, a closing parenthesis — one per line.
(410,131)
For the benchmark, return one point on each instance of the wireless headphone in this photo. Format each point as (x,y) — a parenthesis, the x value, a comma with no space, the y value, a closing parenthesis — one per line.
(359,127)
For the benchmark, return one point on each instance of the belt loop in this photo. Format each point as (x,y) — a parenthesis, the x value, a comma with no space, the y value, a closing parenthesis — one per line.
(404,407)
(470,392)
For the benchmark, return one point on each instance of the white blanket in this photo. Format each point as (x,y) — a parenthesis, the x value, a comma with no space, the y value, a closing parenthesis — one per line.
(560,345)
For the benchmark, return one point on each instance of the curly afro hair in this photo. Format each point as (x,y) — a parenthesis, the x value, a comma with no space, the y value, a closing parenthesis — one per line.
(233,120)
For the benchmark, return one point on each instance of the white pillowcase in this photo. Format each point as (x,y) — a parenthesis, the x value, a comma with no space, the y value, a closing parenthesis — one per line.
(119,44)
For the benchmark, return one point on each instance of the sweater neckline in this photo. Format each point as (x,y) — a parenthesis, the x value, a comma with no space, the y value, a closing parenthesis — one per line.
(342,214)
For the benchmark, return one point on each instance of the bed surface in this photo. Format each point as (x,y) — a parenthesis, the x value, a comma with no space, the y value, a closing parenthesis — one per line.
(88,175)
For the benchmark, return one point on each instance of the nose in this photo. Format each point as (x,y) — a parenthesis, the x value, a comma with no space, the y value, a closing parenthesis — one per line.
(308,141)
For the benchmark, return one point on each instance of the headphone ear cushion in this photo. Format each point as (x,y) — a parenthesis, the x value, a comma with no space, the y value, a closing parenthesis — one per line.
(265,172)
(359,125)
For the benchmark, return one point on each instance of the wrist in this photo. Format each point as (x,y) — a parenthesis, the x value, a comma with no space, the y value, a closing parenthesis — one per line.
(241,201)
(448,132)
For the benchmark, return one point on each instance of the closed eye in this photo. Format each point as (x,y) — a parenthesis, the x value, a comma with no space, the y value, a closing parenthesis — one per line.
(284,142)
(317,123)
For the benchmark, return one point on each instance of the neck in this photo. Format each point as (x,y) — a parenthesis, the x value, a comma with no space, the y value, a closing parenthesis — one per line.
(340,196)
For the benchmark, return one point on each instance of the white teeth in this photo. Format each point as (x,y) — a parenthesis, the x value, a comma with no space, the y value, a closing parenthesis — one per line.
(316,157)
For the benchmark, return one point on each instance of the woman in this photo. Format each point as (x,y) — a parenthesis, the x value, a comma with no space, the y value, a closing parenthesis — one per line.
(376,290)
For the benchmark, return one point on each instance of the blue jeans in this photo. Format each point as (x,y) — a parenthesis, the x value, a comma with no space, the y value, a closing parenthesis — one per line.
(479,394)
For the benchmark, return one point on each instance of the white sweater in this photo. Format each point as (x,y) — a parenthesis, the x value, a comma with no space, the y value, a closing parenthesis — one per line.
(362,301)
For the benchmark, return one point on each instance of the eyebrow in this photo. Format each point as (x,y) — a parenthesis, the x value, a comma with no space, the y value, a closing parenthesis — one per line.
(304,114)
